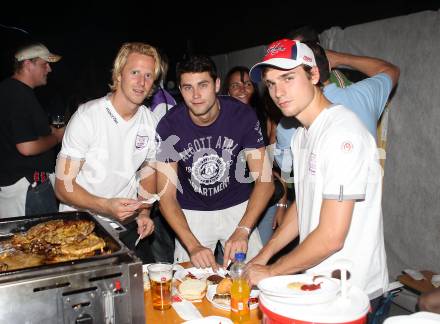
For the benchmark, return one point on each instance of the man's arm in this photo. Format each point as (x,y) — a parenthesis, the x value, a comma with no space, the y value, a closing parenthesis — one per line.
(281,205)
(260,167)
(148,181)
(430,301)
(68,191)
(147,187)
(201,257)
(42,144)
(327,239)
(367,65)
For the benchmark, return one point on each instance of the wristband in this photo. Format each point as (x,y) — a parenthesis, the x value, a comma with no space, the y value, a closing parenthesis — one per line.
(247,229)
(281,205)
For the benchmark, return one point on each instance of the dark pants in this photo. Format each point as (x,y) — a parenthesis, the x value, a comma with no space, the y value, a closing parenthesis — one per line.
(162,240)
(41,199)
(143,249)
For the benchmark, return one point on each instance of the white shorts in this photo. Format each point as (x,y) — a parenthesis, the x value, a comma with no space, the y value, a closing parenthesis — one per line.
(13,199)
(209,227)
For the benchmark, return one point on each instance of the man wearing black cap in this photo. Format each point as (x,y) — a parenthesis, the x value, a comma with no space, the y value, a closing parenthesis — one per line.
(26,139)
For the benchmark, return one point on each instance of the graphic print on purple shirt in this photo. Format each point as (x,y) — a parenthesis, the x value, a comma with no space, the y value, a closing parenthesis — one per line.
(210,159)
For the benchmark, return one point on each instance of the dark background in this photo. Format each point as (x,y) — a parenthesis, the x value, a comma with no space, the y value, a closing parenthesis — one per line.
(89,34)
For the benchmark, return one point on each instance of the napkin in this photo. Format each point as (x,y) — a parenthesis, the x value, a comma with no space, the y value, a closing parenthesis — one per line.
(184,308)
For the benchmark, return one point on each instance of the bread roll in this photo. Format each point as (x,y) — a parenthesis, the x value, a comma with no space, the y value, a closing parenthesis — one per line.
(224,299)
(192,289)
(224,287)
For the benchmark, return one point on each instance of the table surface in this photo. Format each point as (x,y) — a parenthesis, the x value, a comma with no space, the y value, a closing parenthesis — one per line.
(419,286)
(205,308)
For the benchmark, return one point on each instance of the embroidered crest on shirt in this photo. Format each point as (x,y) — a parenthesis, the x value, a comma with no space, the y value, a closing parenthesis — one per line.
(141,141)
(347,147)
(208,169)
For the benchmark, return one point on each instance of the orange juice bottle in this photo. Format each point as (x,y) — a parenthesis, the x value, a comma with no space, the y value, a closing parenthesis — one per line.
(240,291)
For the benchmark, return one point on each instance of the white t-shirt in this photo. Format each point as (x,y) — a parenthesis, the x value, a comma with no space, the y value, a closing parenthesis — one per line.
(112,148)
(336,158)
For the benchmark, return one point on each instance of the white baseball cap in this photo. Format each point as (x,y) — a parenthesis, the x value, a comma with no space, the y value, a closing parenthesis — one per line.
(285,54)
(34,51)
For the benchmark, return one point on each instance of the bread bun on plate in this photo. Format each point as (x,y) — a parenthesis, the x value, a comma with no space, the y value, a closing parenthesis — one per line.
(224,286)
(192,289)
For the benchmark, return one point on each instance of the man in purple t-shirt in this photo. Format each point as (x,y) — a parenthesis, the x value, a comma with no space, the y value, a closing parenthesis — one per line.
(206,195)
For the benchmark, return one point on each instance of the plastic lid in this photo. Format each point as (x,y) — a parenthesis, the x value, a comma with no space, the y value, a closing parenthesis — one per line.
(352,309)
(240,256)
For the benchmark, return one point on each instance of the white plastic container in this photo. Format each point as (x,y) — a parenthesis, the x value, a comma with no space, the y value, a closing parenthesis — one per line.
(350,310)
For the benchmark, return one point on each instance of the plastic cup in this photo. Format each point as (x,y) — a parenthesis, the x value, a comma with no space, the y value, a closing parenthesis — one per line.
(161,276)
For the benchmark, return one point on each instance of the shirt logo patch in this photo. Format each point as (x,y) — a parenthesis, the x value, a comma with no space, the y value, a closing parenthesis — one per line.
(347,146)
(141,141)
(208,169)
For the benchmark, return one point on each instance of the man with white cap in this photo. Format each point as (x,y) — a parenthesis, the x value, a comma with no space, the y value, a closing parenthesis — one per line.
(337,214)
(26,139)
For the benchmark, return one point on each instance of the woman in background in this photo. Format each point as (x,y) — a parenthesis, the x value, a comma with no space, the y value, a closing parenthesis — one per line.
(237,84)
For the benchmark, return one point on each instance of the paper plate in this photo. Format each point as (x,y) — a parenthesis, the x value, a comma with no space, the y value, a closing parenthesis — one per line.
(210,320)
(211,292)
(198,273)
(276,288)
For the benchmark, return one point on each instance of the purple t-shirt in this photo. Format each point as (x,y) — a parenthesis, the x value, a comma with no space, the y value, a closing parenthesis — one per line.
(208,172)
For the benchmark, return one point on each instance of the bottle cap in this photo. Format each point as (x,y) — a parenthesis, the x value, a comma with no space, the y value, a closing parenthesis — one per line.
(240,256)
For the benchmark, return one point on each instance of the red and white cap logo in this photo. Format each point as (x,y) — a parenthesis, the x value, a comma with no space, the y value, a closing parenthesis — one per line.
(284,54)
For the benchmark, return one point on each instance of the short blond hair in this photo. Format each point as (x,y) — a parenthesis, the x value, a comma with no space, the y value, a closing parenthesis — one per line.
(125,51)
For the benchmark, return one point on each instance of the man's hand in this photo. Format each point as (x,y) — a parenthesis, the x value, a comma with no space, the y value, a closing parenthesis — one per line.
(121,208)
(259,259)
(254,273)
(202,257)
(237,242)
(145,225)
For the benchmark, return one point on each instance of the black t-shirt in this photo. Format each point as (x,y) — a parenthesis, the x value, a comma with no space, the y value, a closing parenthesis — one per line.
(22,119)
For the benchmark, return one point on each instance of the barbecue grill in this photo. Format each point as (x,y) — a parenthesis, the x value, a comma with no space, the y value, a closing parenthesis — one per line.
(105,288)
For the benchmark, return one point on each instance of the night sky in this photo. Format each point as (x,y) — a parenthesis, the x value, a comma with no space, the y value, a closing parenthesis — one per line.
(89,34)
